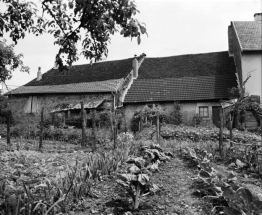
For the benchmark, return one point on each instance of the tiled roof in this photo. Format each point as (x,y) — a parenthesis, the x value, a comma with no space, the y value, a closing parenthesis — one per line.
(103,71)
(187,77)
(249,34)
(86,87)
(215,63)
(182,89)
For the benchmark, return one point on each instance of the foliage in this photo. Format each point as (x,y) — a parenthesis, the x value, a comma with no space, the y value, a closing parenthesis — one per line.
(67,20)
(37,183)
(197,119)
(148,116)
(9,61)
(197,134)
(136,179)
(175,116)
(224,192)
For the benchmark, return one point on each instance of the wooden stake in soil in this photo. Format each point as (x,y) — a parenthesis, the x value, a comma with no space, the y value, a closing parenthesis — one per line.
(221,132)
(83,124)
(8,130)
(94,129)
(113,120)
(230,129)
(157,128)
(41,129)
(261,127)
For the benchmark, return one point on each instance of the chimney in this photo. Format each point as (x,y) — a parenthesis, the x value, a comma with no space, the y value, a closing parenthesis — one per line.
(135,68)
(258,17)
(39,74)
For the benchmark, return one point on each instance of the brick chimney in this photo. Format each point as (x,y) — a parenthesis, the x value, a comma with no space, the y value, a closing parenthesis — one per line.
(39,74)
(135,67)
(258,17)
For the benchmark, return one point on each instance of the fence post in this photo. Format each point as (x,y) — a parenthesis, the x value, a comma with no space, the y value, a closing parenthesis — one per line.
(157,128)
(94,129)
(261,127)
(230,129)
(41,129)
(83,124)
(8,130)
(221,132)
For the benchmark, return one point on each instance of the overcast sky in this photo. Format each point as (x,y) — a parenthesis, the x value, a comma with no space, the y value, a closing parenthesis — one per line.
(175,27)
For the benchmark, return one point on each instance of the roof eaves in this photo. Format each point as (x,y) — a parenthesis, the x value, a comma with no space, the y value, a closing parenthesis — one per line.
(234,27)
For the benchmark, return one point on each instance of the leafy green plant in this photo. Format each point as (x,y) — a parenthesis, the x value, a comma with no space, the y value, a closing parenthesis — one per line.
(136,179)
(233,199)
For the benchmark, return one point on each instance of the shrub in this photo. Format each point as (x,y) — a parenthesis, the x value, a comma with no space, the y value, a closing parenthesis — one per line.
(175,116)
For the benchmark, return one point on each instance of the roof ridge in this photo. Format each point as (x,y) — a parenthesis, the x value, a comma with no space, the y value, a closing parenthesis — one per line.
(186,55)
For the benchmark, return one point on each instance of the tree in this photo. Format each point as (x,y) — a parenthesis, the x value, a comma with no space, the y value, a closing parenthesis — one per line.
(68,20)
(9,62)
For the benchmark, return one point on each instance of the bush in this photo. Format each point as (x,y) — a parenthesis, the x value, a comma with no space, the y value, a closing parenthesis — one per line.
(175,116)
(200,133)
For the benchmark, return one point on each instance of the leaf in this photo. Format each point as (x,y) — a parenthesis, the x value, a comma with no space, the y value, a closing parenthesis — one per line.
(233,211)
(138,40)
(232,176)
(246,196)
(143,179)
(124,184)
(228,193)
(204,174)
(128,177)
(133,169)
(258,206)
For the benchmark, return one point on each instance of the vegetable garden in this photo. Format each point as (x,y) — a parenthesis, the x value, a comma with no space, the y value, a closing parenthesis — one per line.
(184,174)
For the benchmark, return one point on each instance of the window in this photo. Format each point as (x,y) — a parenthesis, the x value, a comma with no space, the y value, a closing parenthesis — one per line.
(203,111)
(32,105)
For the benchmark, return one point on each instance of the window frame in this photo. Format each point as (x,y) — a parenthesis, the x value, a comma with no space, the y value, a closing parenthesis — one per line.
(203,111)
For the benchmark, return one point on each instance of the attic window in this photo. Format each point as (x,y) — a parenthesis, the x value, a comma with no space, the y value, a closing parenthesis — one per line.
(31,106)
(203,111)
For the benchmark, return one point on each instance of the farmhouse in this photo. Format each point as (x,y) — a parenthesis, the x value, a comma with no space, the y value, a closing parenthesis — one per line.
(198,81)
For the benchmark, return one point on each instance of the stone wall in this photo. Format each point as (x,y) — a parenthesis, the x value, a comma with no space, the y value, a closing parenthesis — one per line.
(18,105)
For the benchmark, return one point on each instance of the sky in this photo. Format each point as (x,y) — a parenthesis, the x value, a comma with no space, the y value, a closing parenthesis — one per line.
(175,27)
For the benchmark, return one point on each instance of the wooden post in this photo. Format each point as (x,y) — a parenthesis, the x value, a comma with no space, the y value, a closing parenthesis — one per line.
(261,127)
(41,129)
(93,129)
(8,130)
(157,128)
(113,121)
(221,132)
(125,123)
(230,129)
(83,124)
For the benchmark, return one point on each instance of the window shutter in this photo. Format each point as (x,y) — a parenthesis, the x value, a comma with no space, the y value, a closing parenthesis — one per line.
(28,105)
